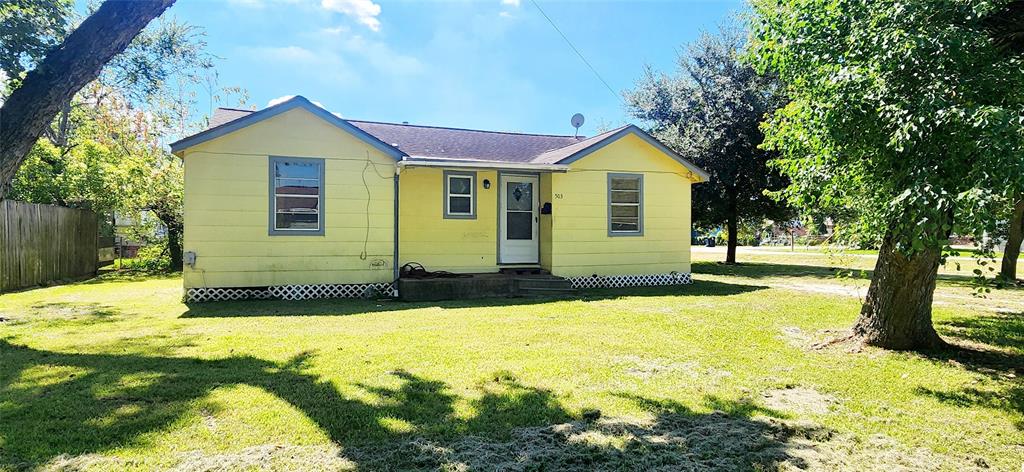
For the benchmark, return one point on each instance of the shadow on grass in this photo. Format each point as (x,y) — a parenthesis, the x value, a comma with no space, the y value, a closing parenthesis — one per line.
(1002,329)
(1003,363)
(60,405)
(344,307)
(108,275)
(763,270)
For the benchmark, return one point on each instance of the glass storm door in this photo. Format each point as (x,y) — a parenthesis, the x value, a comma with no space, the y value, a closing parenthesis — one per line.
(518,222)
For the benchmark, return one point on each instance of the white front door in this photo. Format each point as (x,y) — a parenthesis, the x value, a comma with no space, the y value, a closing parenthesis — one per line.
(518,222)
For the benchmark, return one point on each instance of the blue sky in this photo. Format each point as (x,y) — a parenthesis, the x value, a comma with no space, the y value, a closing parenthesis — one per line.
(488,64)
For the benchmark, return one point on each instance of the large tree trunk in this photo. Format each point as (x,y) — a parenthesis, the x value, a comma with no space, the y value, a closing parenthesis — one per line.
(730,251)
(174,245)
(897,313)
(1014,238)
(63,72)
(731,225)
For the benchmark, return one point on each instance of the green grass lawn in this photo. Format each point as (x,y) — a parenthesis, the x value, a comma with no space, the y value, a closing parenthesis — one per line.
(118,374)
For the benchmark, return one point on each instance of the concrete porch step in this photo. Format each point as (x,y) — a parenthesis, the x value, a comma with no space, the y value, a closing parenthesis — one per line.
(548,282)
(523,271)
(546,292)
(484,285)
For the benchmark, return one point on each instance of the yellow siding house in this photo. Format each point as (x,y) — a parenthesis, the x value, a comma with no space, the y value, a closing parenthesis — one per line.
(293,201)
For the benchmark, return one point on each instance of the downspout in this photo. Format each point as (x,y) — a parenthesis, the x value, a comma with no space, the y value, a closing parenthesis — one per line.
(394,264)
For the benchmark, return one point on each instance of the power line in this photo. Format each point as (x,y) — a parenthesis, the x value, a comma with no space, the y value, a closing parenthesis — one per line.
(577,51)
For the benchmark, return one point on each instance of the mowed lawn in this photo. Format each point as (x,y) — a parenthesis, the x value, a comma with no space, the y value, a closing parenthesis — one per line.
(119,374)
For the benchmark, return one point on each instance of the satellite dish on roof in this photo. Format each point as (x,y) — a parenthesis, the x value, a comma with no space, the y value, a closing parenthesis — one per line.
(577,121)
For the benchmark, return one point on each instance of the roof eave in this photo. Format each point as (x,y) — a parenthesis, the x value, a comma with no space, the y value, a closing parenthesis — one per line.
(421,161)
(697,174)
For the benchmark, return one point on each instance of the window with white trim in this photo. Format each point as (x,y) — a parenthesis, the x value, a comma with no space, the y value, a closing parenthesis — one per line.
(625,204)
(297,196)
(459,195)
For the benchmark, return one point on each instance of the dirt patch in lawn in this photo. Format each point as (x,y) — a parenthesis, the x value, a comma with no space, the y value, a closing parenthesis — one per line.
(264,457)
(799,400)
(666,442)
(669,442)
(268,457)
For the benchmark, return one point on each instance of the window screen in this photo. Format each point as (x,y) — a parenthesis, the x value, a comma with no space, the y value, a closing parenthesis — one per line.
(625,204)
(296,203)
(460,195)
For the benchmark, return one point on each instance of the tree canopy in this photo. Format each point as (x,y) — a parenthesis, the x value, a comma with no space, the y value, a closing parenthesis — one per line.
(29,28)
(906,112)
(64,70)
(709,111)
(104,149)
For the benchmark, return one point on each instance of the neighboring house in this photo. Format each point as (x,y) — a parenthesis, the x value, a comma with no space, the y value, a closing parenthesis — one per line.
(295,201)
(126,227)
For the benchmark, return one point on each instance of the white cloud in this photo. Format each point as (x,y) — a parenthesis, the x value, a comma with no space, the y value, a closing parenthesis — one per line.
(280,99)
(364,11)
(505,14)
(287,54)
(511,3)
(287,62)
(285,98)
(382,57)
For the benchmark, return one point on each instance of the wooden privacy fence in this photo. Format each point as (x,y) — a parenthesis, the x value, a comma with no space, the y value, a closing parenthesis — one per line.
(41,244)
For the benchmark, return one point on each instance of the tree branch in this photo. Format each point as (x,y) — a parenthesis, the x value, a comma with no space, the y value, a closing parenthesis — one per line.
(31,108)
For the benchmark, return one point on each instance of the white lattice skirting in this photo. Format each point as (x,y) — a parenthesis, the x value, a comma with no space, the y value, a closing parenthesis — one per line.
(293,292)
(617,281)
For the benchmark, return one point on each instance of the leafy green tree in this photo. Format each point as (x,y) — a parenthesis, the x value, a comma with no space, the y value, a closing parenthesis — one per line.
(710,112)
(91,175)
(1006,27)
(104,149)
(905,112)
(32,106)
(165,198)
(29,28)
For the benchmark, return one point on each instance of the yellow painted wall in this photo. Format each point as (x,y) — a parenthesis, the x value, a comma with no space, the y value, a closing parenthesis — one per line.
(454,245)
(545,222)
(227,208)
(580,243)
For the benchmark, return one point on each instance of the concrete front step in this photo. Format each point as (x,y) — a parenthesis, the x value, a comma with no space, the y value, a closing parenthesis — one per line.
(483,285)
(550,282)
(546,292)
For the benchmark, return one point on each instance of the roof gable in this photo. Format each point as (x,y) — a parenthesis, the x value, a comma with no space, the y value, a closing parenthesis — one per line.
(423,143)
(243,120)
(573,153)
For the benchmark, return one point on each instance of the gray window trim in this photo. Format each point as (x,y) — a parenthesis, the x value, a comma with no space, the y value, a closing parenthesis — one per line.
(473,196)
(271,230)
(640,211)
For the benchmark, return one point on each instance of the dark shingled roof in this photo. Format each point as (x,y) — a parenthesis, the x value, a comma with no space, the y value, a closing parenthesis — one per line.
(224,115)
(445,143)
(439,144)
(555,156)
(464,144)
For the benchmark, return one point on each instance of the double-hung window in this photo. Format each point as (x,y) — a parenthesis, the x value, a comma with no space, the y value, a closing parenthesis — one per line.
(460,195)
(625,204)
(296,196)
